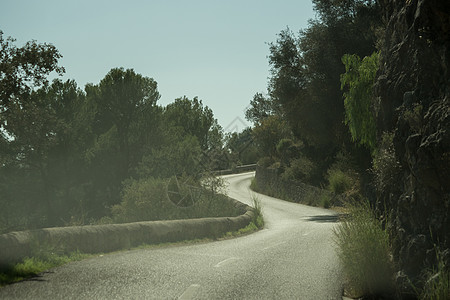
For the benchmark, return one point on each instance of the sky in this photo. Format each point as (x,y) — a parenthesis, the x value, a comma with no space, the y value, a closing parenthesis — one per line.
(215,50)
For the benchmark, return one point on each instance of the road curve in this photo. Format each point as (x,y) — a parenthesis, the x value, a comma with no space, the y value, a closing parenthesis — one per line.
(292,258)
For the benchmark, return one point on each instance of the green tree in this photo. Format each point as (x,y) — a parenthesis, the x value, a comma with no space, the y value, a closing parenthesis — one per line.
(22,70)
(260,108)
(29,133)
(241,147)
(305,74)
(358,81)
(268,134)
(191,117)
(121,97)
(179,157)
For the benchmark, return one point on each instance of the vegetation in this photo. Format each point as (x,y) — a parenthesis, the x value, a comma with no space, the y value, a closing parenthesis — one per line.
(148,200)
(438,285)
(304,89)
(364,249)
(359,76)
(72,156)
(31,267)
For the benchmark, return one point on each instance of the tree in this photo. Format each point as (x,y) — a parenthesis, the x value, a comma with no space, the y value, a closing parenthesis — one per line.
(261,107)
(268,134)
(191,117)
(22,70)
(28,131)
(122,98)
(305,74)
(241,147)
(358,80)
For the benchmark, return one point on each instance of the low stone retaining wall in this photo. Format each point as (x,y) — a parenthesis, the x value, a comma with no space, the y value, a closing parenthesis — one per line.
(15,246)
(236,170)
(268,180)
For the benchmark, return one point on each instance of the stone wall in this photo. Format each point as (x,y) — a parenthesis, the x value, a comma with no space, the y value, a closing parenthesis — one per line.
(15,246)
(413,89)
(269,182)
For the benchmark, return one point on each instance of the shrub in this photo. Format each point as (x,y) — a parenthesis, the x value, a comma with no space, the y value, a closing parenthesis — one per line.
(325,200)
(437,287)
(339,182)
(142,200)
(265,161)
(157,199)
(300,169)
(364,250)
(258,219)
(386,167)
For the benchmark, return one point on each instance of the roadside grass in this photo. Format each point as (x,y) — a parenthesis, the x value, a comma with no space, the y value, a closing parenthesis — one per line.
(258,218)
(256,223)
(32,266)
(364,250)
(437,285)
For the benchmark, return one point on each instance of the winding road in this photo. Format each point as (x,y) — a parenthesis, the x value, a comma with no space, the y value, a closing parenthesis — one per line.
(293,257)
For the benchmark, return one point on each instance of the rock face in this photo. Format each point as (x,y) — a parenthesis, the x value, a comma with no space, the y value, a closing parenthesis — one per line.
(413,90)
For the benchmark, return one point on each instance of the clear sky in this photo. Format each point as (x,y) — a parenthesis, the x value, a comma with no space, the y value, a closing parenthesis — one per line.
(214,49)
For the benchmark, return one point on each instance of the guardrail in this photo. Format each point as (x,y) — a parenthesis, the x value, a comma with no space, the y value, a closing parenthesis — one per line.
(236,170)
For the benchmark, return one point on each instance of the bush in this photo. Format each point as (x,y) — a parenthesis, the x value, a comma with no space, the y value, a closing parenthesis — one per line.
(258,219)
(142,200)
(386,167)
(153,199)
(365,252)
(339,182)
(265,162)
(437,287)
(300,169)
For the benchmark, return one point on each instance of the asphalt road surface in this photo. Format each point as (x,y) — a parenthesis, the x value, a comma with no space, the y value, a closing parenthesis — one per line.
(293,257)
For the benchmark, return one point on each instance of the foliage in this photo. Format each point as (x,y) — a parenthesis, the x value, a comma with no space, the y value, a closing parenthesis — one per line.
(241,147)
(437,287)
(365,252)
(268,134)
(258,218)
(34,265)
(287,150)
(359,78)
(339,182)
(300,169)
(65,153)
(261,107)
(124,103)
(194,119)
(414,117)
(386,167)
(304,87)
(265,162)
(22,70)
(181,157)
(152,199)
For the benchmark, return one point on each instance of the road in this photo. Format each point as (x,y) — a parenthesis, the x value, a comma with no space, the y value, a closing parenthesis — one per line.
(293,257)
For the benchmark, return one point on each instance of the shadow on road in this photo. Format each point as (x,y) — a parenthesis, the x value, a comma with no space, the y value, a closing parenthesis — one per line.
(324,219)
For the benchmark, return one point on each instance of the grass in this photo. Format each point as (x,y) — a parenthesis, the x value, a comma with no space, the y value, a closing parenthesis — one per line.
(365,252)
(256,223)
(258,218)
(437,287)
(339,182)
(32,266)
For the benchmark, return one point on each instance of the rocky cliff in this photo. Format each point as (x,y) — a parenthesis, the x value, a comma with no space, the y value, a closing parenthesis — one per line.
(413,92)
